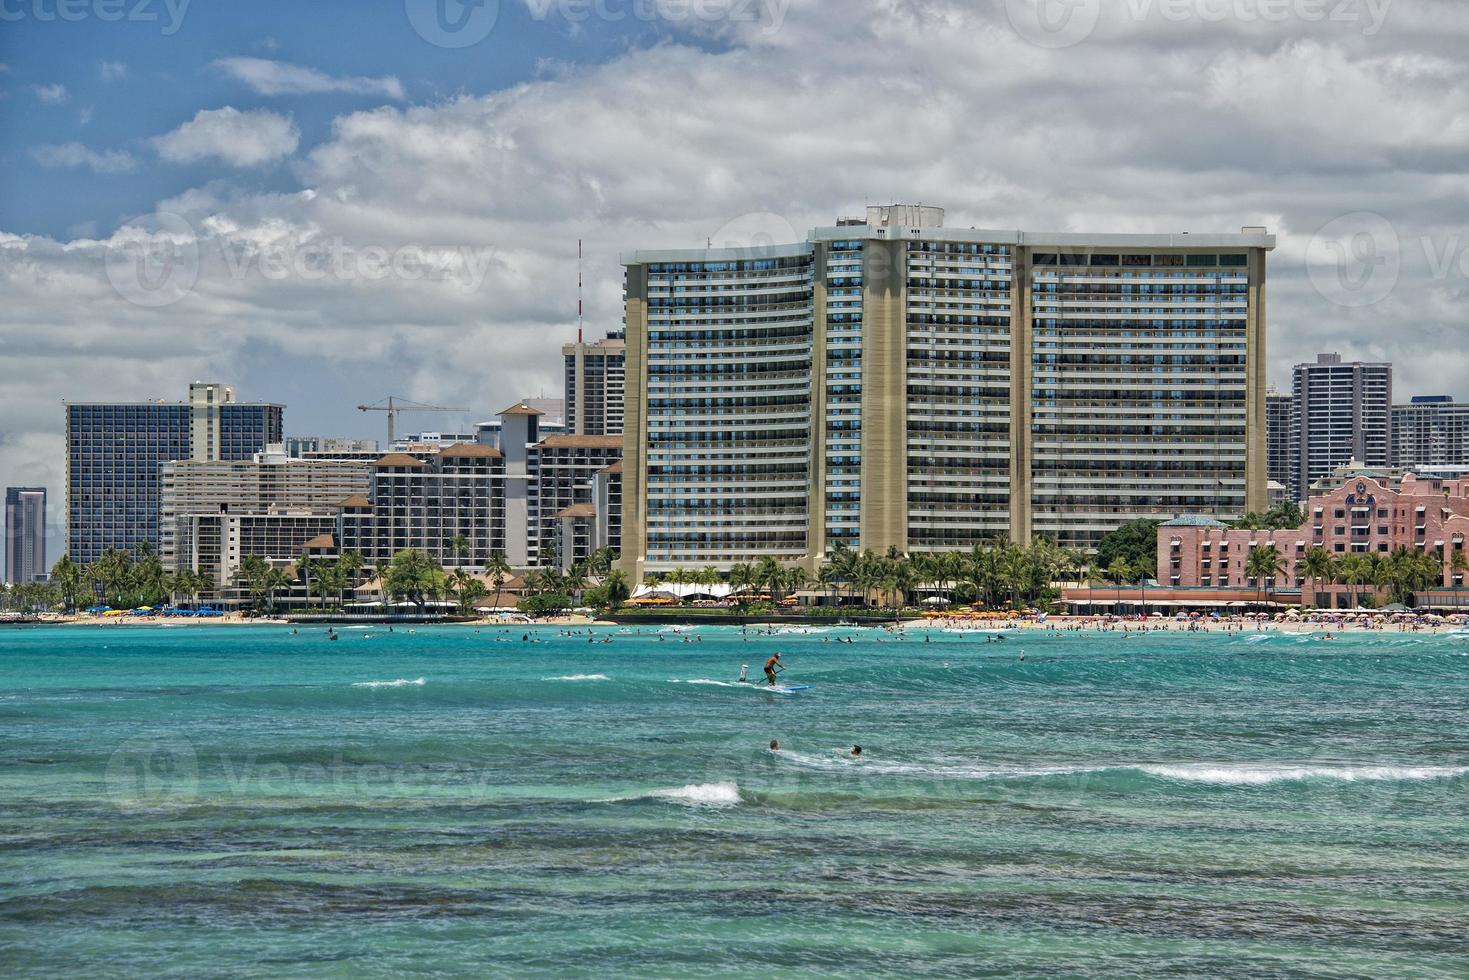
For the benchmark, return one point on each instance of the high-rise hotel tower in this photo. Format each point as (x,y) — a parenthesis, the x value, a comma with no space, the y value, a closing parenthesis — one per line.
(892,383)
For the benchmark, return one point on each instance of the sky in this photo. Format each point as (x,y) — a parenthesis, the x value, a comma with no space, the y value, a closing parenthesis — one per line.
(325,203)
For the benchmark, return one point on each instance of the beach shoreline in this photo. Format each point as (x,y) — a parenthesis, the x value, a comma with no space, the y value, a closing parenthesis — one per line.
(1299,625)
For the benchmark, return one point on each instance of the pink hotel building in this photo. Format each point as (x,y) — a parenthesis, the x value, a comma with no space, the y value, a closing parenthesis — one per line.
(1367,514)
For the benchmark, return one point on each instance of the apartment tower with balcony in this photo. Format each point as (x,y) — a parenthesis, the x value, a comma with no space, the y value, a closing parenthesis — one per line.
(892,383)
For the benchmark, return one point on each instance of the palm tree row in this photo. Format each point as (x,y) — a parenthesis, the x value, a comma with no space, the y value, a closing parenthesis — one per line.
(1403,574)
(997,572)
(126,579)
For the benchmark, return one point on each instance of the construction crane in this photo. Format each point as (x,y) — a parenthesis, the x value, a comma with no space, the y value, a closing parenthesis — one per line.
(393,404)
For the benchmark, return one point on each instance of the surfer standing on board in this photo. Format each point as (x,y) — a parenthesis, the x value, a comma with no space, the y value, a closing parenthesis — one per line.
(770,666)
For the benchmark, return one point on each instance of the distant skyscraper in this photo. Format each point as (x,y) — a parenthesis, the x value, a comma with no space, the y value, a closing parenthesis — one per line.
(115,452)
(594,386)
(1430,432)
(1280,439)
(1343,411)
(25,534)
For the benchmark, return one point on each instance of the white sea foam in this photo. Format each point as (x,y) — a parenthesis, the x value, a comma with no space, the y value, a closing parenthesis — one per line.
(841,759)
(723,794)
(578,677)
(1256,775)
(1233,774)
(701,794)
(400,682)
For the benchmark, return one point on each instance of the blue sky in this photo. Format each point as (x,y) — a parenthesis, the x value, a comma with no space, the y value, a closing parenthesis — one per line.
(351,210)
(128,81)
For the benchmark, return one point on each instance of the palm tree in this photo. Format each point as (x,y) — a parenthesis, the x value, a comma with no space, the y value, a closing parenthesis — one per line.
(331,579)
(827,575)
(273,581)
(458,545)
(1352,571)
(599,562)
(351,564)
(467,590)
(303,569)
(251,574)
(1264,565)
(575,581)
(113,569)
(1117,573)
(796,579)
(898,580)
(616,587)
(1320,567)
(68,578)
(498,569)
(741,577)
(769,574)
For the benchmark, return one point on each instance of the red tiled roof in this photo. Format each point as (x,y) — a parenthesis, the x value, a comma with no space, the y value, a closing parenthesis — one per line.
(399,460)
(582,442)
(470,450)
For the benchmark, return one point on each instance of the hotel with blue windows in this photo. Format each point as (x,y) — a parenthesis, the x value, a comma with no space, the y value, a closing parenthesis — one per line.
(892,383)
(116,451)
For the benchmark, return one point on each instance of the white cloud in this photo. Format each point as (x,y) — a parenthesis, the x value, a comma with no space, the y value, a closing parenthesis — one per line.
(240,139)
(1152,127)
(112,71)
(51,94)
(84,116)
(278,78)
(66,155)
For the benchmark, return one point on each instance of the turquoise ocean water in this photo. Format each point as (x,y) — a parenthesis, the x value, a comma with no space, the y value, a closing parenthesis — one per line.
(244,802)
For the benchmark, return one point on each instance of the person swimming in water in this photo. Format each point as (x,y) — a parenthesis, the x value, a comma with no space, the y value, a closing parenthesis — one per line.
(774,745)
(770,666)
(856,751)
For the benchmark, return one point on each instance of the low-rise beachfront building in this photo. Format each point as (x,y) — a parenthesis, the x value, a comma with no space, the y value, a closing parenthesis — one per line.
(215,544)
(1369,514)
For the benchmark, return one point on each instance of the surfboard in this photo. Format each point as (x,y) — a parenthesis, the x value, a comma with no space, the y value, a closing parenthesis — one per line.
(785,688)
